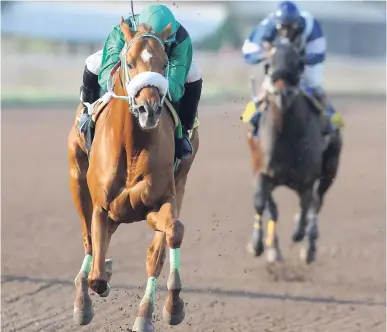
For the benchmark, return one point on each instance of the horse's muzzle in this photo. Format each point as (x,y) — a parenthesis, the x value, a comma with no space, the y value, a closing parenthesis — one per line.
(149,115)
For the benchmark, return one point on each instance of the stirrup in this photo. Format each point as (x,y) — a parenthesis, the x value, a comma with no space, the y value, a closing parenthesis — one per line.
(82,122)
(186,148)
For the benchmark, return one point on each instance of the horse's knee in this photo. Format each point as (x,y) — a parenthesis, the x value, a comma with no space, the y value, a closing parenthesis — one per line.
(175,233)
(259,203)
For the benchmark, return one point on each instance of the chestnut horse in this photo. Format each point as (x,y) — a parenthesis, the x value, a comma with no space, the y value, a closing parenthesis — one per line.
(130,176)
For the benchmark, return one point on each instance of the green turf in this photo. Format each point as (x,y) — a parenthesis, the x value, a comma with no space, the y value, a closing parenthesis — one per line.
(26,97)
(211,93)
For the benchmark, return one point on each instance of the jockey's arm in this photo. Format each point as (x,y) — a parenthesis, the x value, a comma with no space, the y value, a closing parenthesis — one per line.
(179,64)
(315,48)
(111,54)
(259,42)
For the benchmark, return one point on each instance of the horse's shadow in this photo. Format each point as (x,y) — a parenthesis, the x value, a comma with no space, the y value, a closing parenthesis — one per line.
(213,291)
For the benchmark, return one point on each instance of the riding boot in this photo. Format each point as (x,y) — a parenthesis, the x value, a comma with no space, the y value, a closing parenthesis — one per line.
(89,93)
(256,117)
(335,119)
(187,110)
(254,122)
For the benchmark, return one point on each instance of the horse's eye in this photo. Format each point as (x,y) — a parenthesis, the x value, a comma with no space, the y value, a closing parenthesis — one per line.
(129,65)
(165,66)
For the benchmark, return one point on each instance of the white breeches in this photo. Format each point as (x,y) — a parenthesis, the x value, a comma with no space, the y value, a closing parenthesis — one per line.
(312,77)
(194,74)
(94,62)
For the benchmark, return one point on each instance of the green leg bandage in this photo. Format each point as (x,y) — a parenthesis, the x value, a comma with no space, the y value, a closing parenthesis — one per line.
(86,264)
(174,257)
(150,291)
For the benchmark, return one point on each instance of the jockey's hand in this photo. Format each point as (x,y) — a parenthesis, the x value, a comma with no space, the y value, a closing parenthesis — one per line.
(267,46)
(269,53)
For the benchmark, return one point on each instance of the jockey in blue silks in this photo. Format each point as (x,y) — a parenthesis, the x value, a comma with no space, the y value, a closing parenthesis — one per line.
(305,32)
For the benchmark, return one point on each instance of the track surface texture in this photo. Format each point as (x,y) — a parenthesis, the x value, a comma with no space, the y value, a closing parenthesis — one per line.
(224,287)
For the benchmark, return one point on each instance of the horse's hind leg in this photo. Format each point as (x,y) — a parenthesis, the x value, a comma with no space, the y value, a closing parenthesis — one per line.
(273,251)
(331,159)
(154,264)
(78,162)
(173,311)
(329,172)
(261,196)
(306,200)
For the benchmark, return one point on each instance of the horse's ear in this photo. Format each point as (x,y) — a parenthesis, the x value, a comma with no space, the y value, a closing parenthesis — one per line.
(166,32)
(128,34)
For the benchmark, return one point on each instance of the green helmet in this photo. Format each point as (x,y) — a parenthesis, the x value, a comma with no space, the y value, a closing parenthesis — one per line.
(158,17)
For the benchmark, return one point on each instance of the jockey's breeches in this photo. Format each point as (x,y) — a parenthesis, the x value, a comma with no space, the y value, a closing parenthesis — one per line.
(311,78)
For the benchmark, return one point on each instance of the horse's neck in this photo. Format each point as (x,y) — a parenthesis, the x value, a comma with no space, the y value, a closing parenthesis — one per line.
(125,121)
(297,114)
(293,121)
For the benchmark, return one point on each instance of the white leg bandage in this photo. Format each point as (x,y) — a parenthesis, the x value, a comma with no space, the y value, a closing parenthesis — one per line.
(94,61)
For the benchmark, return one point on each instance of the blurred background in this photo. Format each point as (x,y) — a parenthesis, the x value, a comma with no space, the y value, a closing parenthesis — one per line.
(40,36)
(44,46)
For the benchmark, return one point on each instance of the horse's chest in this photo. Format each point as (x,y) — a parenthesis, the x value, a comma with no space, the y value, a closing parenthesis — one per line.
(295,164)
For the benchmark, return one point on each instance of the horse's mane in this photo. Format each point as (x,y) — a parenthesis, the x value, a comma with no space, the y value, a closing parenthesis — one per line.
(144,28)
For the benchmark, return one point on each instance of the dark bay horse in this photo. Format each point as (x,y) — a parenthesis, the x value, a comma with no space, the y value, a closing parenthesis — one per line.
(291,151)
(130,176)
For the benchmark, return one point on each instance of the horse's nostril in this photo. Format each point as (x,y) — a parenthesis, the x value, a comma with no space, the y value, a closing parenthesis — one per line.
(152,107)
(142,109)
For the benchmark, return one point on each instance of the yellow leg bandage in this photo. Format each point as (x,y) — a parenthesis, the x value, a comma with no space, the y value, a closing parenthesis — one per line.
(270,232)
(257,223)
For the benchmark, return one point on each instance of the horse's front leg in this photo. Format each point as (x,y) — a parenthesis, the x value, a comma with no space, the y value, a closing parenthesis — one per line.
(273,251)
(307,223)
(173,311)
(306,200)
(154,264)
(78,162)
(98,278)
(261,196)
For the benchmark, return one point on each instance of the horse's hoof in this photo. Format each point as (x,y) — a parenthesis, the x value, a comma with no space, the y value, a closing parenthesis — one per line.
(174,318)
(308,254)
(99,286)
(106,293)
(143,324)
(83,307)
(83,316)
(272,255)
(256,249)
(257,246)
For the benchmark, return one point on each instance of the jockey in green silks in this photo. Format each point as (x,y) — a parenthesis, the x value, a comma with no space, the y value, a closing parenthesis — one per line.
(185,79)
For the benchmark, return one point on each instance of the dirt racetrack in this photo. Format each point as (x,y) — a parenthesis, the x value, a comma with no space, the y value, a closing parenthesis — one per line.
(225,289)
